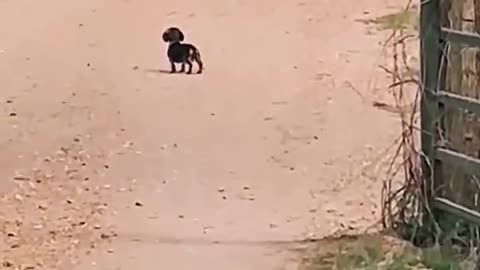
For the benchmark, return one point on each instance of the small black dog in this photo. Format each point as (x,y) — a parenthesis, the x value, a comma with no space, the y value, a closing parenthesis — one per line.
(181,52)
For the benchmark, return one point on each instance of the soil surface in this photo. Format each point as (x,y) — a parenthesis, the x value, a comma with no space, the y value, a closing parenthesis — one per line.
(109,162)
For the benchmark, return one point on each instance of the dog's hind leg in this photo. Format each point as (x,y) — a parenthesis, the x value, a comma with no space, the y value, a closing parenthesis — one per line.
(200,66)
(198,59)
(190,66)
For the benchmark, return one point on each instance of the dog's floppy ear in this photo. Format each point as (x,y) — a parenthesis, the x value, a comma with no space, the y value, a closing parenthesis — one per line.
(166,36)
(181,37)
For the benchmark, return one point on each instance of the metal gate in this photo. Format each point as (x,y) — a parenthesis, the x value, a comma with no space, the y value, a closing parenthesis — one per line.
(435,37)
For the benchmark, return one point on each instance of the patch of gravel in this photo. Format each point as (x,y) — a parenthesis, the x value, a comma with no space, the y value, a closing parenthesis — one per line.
(54,214)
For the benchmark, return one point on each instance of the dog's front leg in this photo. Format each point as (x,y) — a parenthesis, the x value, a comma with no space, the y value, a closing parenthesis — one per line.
(183,67)
(172,67)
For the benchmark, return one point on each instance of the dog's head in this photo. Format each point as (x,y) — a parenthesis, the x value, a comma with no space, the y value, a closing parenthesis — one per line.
(173,34)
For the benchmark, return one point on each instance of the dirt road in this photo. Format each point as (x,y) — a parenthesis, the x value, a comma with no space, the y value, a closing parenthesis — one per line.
(273,143)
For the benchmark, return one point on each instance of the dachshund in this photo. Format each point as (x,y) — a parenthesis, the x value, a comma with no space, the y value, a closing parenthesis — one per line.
(179,52)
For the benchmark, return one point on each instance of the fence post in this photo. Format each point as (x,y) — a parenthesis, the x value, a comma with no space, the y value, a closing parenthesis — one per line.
(431,52)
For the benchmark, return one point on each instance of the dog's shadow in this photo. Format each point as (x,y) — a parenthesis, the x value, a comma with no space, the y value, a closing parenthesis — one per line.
(165,71)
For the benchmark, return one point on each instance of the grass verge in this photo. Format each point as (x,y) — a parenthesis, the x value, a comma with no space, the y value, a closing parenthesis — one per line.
(379,252)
